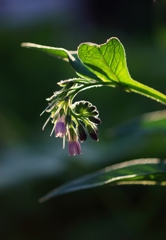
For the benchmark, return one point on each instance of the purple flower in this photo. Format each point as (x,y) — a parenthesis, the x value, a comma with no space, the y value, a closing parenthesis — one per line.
(60,127)
(74,148)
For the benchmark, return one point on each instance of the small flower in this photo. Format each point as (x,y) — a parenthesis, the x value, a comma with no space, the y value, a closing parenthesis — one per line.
(81,133)
(74,147)
(60,127)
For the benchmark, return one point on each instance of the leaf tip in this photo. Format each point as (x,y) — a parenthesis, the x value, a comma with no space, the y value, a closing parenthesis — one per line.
(25,44)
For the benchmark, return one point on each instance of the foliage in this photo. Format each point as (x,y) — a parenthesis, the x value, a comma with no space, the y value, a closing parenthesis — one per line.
(96,66)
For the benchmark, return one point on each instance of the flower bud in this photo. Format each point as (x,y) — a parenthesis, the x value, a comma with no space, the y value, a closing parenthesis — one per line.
(72,135)
(93,132)
(68,119)
(81,133)
(66,83)
(95,120)
(92,108)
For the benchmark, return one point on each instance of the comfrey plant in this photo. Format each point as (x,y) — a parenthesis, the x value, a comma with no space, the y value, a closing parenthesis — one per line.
(96,66)
(72,120)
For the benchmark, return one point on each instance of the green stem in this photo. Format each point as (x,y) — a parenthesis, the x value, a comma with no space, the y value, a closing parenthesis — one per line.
(147,91)
(88,86)
(133,86)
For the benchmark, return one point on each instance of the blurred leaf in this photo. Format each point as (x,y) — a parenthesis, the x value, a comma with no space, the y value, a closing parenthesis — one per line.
(142,136)
(147,123)
(141,171)
(108,62)
(154,121)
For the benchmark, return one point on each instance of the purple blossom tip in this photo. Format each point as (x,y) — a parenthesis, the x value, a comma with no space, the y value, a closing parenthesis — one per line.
(74,148)
(60,128)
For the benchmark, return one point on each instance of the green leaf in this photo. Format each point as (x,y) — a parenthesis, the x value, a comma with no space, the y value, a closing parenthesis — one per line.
(69,56)
(105,62)
(108,62)
(56,52)
(140,171)
(154,121)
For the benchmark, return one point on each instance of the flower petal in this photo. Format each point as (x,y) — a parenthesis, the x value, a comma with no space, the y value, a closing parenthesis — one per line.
(60,129)
(74,148)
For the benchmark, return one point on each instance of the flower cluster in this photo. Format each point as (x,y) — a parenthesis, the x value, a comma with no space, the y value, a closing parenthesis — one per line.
(72,121)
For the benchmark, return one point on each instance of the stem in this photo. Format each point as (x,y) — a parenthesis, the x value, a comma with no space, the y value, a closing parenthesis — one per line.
(148,92)
(129,87)
(88,86)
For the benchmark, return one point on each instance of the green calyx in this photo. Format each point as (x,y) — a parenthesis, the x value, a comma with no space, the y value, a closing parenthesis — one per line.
(85,109)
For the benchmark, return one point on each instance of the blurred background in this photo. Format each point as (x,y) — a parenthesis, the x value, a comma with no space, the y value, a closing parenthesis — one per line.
(32,163)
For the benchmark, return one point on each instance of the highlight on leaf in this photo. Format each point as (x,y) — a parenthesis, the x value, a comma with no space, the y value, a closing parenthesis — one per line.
(148,171)
(96,65)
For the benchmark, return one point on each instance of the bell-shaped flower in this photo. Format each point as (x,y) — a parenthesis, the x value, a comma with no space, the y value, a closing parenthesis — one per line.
(74,147)
(60,127)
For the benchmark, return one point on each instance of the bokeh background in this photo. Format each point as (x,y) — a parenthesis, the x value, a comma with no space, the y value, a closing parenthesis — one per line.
(32,163)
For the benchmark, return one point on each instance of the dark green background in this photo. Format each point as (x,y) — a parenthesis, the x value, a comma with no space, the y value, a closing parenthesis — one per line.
(32,163)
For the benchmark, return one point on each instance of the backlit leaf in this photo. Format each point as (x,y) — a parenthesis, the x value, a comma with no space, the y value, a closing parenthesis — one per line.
(108,62)
(140,171)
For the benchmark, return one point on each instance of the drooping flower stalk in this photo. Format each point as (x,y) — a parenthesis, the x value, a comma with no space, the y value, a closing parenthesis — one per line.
(72,121)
